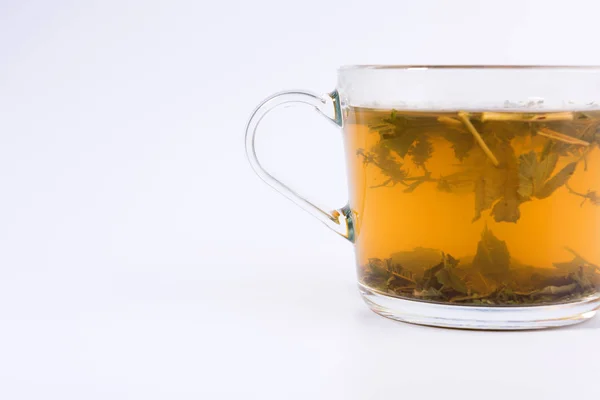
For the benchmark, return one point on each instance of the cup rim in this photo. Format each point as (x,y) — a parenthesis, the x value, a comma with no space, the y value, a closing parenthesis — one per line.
(463,66)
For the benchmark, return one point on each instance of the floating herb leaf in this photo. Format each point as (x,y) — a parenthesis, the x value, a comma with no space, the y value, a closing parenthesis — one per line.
(462,142)
(527,169)
(430,277)
(534,174)
(449,279)
(458,182)
(507,208)
(558,180)
(492,257)
(421,151)
(489,187)
(544,169)
(402,143)
(384,160)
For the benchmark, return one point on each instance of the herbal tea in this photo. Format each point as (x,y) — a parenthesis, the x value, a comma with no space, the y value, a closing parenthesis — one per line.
(486,208)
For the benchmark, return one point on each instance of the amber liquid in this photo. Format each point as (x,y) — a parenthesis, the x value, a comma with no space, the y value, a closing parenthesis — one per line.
(476,212)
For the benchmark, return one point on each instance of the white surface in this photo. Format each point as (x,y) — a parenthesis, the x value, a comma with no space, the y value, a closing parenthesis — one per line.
(141,258)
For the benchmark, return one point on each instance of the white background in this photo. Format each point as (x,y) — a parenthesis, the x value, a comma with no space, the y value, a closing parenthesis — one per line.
(140,257)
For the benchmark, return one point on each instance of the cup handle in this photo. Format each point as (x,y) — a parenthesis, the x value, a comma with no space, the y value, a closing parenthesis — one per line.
(339,220)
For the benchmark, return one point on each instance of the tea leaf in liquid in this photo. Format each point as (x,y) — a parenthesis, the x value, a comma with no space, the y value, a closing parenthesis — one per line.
(421,151)
(492,257)
(461,141)
(558,180)
(507,208)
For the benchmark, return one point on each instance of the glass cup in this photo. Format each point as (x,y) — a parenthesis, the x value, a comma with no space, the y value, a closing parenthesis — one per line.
(474,191)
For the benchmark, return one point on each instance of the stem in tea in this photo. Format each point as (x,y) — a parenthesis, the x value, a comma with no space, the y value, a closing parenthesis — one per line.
(449,121)
(465,119)
(384,184)
(503,116)
(549,133)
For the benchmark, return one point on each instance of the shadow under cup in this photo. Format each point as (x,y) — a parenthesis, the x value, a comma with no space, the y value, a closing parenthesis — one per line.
(474,191)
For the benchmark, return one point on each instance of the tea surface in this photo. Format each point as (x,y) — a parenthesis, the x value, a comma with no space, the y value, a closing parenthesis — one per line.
(492,208)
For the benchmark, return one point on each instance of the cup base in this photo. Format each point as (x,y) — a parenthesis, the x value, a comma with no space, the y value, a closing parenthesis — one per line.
(481,318)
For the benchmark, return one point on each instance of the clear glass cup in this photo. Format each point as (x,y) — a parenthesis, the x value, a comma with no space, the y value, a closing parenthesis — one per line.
(474,190)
